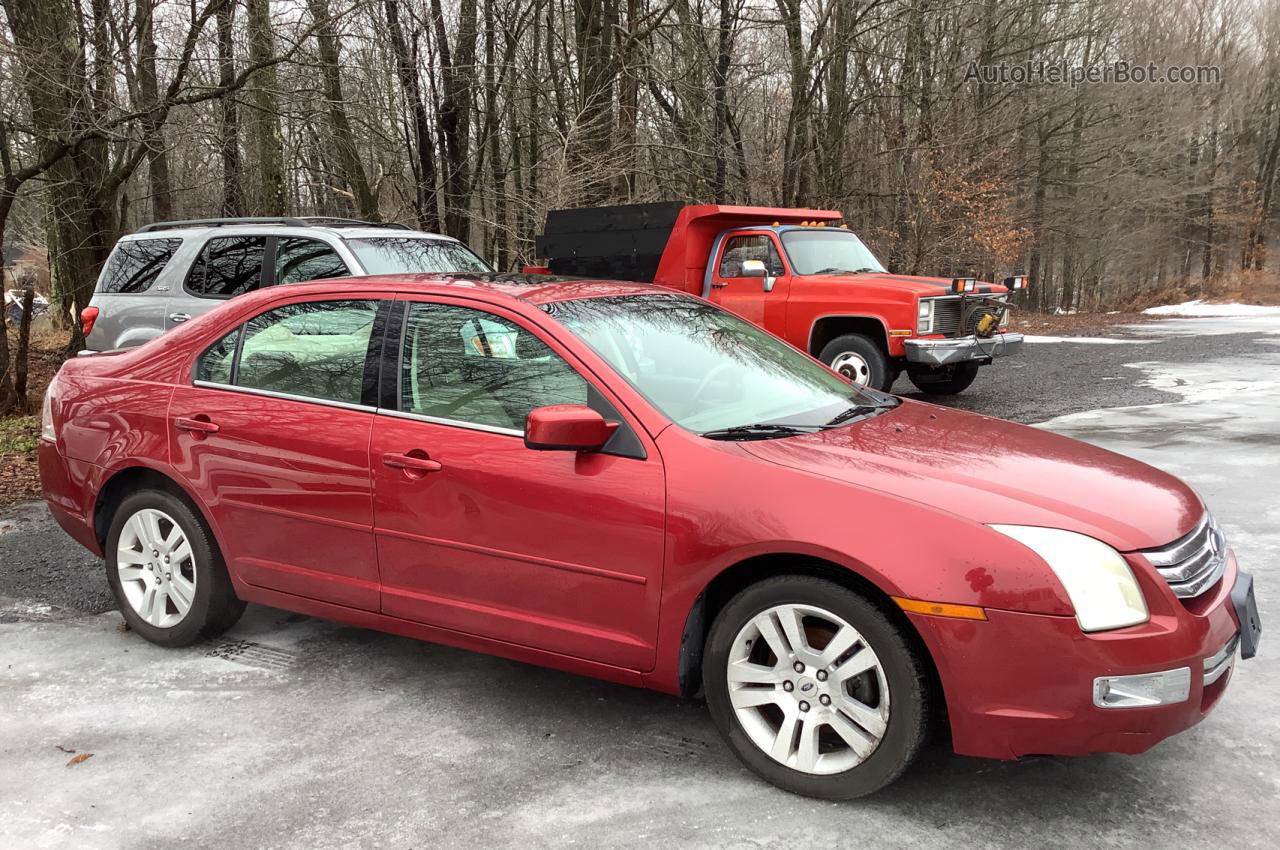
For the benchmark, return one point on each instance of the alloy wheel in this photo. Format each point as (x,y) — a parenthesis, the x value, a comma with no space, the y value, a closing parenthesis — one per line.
(807,689)
(157,568)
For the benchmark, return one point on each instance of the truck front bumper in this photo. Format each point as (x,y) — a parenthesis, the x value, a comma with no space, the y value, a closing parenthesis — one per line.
(946,352)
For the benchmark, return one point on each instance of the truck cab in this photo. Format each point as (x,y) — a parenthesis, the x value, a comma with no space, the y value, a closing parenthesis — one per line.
(803,276)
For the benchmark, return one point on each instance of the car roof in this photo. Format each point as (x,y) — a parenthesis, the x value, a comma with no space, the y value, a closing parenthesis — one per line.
(535,289)
(264,229)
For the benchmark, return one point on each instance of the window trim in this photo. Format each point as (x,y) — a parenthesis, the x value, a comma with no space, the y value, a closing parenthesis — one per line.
(268,253)
(327,402)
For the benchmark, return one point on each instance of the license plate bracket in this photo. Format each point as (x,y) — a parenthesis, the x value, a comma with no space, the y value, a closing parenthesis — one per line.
(1246,608)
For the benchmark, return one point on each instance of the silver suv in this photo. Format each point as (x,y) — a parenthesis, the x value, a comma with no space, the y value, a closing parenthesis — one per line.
(169,272)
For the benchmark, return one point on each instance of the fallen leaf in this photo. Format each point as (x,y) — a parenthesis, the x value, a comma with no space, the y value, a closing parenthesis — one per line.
(79,758)
(64,749)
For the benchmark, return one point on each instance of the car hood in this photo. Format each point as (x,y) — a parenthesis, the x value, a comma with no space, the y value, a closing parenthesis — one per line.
(922,286)
(992,471)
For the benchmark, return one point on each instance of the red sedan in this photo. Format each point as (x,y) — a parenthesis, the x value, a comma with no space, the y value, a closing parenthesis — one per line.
(630,483)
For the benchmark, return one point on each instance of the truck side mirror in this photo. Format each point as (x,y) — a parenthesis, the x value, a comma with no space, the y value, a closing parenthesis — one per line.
(757,268)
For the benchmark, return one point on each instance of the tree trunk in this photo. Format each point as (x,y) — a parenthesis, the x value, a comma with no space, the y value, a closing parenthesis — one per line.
(344,140)
(457,77)
(228,115)
(426,195)
(157,151)
(272,198)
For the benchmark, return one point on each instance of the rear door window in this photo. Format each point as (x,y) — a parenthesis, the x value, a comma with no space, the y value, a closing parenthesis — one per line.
(227,266)
(306,259)
(135,264)
(317,350)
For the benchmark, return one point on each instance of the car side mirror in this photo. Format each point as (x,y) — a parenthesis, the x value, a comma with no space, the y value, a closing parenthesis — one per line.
(567,427)
(757,268)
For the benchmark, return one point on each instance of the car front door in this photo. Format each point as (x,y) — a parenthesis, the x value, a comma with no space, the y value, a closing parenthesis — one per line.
(556,550)
(755,299)
(274,434)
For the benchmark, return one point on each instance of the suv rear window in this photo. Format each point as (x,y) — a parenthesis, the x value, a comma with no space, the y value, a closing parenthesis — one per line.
(228,266)
(136,263)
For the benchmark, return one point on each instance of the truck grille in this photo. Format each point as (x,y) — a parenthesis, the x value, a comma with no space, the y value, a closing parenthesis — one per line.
(950,319)
(1193,563)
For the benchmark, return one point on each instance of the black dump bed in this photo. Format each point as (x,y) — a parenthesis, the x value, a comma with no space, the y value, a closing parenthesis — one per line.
(617,243)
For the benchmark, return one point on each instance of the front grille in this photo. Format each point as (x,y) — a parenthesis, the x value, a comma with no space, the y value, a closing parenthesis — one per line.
(1192,564)
(946,316)
(952,318)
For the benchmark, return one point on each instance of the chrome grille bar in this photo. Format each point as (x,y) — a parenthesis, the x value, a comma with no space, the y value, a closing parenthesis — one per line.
(1220,662)
(1192,564)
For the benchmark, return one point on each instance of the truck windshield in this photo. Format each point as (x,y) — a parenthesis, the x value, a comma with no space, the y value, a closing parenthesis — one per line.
(414,254)
(828,252)
(711,372)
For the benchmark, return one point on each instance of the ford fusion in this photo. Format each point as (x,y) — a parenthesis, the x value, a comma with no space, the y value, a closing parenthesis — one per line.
(632,484)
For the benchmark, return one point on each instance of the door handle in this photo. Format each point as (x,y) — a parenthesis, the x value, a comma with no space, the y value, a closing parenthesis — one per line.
(719,284)
(179,317)
(198,426)
(417,461)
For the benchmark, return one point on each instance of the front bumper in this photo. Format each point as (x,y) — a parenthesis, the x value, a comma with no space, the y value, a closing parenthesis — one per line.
(1027,684)
(946,352)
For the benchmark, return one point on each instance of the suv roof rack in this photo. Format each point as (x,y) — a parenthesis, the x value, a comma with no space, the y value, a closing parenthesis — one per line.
(288,221)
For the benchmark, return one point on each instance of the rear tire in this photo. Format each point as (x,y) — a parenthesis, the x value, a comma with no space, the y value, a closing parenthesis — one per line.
(860,359)
(946,381)
(836,730)
(166,571)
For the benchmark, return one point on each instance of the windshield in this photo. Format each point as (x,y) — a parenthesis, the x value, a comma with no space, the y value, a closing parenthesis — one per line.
(412,254)
(707,370)
(828,252)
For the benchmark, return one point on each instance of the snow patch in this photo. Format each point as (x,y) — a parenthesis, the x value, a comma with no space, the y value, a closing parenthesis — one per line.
(1202,308)
(1089,340)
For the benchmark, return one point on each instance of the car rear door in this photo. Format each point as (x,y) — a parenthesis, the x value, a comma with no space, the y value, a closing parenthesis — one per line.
(752,298)
(132,295)
(556,550)
(274,432)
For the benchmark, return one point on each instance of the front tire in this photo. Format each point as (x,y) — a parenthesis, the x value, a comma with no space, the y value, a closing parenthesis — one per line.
(860,359)
(814,688)
(947,381)
(167,574)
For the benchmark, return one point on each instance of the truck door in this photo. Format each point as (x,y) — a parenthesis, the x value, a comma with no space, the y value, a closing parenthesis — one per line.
(759,300)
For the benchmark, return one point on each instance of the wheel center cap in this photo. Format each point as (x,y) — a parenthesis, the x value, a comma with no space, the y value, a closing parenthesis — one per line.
(806,688)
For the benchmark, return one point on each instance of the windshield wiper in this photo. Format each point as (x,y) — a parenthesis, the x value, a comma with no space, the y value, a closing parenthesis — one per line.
(759,431)
(837,270)
(852,413)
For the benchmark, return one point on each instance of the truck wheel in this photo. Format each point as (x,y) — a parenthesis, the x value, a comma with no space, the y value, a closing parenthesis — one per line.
(860,360)
(814,688)
(166,572)
(946,381)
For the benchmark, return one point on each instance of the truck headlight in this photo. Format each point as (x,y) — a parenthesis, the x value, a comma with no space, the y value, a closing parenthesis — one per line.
(924,317)
(1096,577)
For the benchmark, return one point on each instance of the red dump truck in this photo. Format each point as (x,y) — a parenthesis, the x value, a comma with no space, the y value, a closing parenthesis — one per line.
(801,275)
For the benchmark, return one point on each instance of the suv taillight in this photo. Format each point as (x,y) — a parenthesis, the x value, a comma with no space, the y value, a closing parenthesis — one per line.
(88,316)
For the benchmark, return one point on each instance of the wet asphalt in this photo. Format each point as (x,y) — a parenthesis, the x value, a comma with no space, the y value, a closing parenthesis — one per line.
(41,567)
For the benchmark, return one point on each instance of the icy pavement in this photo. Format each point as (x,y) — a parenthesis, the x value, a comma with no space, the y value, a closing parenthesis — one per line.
(294,732)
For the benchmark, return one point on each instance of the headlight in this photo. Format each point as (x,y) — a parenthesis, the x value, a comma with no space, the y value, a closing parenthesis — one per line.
(1099,582)
(924,317)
